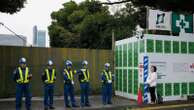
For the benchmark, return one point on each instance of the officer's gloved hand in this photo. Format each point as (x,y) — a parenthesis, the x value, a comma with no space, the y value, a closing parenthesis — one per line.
(46,81)
(72,82)
(109,81)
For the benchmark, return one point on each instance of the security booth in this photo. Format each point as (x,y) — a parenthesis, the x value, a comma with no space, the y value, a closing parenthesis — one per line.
(172,55)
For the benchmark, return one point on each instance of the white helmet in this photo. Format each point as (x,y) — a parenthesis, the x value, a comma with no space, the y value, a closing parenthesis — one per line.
(22,60)
(84,62)
(107,65)
(68,63)
(50,62)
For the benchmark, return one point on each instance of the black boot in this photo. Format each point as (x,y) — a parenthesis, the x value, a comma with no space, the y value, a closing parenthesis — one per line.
(87,105)
(110,103)
(67,106)
(51,107)
(74,105)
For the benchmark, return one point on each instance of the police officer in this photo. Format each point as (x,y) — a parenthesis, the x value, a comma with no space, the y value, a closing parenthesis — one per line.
(49,78)
(68,74)
(22,77)
(84,77)
(107,79)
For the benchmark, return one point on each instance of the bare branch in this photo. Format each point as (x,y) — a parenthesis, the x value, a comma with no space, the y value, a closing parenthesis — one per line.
(112,3)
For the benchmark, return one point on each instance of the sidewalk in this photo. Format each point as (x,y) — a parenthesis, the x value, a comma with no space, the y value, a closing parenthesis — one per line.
(96,104)
(118,104)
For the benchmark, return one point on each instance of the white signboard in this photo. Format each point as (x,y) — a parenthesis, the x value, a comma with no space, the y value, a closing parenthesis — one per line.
(172,68)
(159,20)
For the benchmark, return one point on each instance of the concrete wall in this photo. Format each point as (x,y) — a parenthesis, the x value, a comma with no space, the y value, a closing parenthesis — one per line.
(37,59)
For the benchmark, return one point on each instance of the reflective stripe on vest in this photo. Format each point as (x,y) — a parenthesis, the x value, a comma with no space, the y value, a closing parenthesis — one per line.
(50,80)
(23,79)
(108,75)
(69,75)
(86,76)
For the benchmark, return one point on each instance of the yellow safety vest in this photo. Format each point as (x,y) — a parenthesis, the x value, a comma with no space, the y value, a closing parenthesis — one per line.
(86,76)
(50,80)
(23,79)
(69,75)
(108,75)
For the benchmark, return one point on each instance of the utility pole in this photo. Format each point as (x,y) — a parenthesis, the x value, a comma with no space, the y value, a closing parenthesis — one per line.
(113,52)
(113,49)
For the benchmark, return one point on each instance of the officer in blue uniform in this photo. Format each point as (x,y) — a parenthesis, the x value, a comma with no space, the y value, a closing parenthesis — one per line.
(68,74)
(107,79)
(49,78)
(84,77)
(22,77)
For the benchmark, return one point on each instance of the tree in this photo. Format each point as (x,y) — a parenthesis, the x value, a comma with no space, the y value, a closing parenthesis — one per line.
(126,21)
(11,6)
(88,25)
(183,6)
(172,5)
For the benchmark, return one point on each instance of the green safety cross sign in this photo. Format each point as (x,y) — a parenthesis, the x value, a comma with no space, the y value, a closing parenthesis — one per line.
(182,23)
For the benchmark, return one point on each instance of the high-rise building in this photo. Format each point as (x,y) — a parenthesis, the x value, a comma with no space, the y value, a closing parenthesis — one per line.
(12,40)
(35,35)
(39,37)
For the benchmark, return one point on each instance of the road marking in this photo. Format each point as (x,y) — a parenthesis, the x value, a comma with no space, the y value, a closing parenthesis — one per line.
(164,107)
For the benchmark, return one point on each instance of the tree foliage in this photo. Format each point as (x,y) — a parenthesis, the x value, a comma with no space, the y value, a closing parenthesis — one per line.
(172,5)
(88,25)
(11,6)
(183,6)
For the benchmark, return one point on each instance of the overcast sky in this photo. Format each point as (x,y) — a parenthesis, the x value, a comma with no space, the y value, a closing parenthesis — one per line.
(36,12)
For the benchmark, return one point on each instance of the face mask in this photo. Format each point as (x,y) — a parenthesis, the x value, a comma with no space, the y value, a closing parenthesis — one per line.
(49,66)
(84,66)
(23,65)
(68,67)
